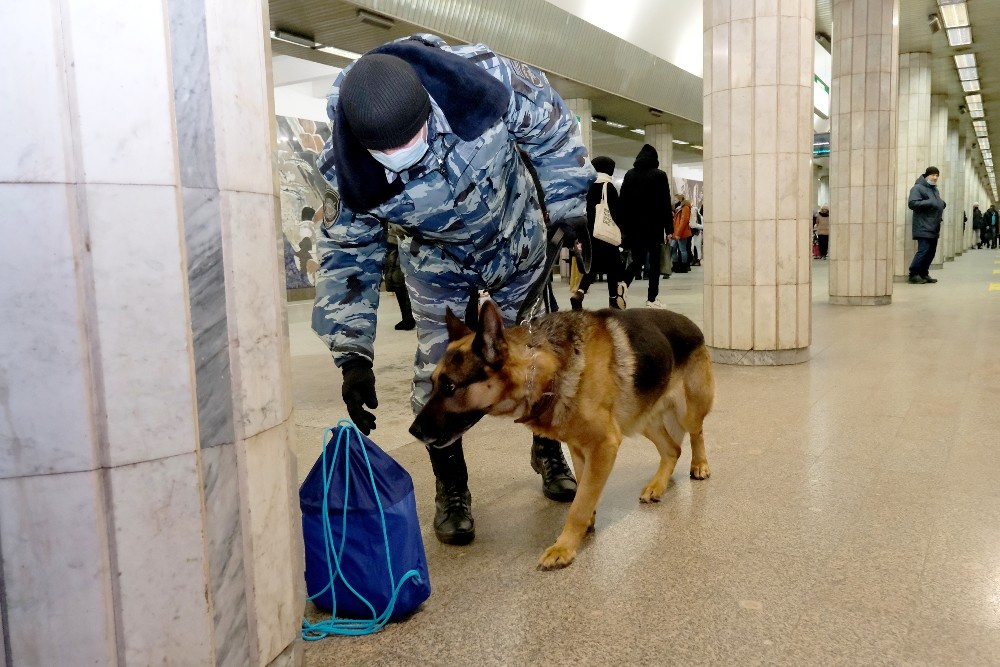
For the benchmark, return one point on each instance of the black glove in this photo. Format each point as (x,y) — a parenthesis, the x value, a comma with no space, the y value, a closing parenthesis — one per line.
(573,230)
(359,391)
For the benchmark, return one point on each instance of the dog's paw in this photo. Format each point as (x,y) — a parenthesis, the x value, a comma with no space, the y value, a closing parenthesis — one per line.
(700,470)
(556,557)
(652,493)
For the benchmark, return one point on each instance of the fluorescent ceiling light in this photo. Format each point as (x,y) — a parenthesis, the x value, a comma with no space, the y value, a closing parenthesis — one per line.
(960,36)
(974,101)
(968,74)
(976,113)
(971,86)
(611,123)
(697,147)
(638,130)
(376,20)
(292,38)
(682,143)
(965,60)
(332,50)
(984,143)
(955,15)
(979,124)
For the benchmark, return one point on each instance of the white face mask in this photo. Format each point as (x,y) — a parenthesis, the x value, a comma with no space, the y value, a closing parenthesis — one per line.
(404,158)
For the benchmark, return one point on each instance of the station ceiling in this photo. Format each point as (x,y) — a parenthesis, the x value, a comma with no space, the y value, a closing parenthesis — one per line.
(337,23)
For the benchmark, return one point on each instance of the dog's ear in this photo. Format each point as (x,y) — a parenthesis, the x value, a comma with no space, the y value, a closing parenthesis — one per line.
(456,327)
(490,342)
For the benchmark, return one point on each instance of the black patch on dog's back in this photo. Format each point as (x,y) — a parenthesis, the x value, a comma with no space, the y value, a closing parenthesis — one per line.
(659,339)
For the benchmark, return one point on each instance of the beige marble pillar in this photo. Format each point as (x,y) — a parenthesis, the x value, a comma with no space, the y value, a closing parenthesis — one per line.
(968,196)
(913,149)
(758,101)
(953,212)
(938,157)
(961,202)
(148,512)
(661,137)
(582,109)
(863,151)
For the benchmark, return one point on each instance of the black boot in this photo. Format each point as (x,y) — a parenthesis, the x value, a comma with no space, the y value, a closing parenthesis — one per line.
(403,299)
(453,522)
(547,460)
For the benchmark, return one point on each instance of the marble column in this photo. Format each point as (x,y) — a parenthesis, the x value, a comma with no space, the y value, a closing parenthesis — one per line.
(148,512)
(953,212)
(758,101)
(961,205)
(822,191)
(661,137)
(968,193)
(582,109)
(913,150)
(863,150)
(938,157)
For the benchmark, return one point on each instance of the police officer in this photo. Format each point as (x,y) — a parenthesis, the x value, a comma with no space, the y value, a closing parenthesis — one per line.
(425,136)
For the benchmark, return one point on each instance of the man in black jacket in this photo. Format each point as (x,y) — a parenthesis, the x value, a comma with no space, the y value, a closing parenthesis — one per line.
(978,225)
(648,214)
(928,209)
(990,221)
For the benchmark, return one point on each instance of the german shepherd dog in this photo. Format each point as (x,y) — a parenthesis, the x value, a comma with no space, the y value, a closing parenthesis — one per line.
(587,379)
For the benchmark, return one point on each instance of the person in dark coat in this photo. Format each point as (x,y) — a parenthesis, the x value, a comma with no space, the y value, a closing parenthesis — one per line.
(978,225)
(607,258)
(928,209)
(648,215)
(395,281)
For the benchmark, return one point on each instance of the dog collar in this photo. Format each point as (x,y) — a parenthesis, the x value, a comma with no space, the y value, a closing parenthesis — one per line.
(534,411)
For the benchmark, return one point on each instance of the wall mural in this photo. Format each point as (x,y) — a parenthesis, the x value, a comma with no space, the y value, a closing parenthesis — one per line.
(692,189)
(301,188)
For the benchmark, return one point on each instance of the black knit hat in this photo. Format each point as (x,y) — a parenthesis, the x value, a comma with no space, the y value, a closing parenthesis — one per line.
(384,102)
(604,164)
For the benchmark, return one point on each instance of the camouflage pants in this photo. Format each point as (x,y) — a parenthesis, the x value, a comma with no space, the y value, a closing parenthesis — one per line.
(435,284)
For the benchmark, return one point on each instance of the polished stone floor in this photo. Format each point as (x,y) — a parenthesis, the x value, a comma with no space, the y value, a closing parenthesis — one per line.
(852,516)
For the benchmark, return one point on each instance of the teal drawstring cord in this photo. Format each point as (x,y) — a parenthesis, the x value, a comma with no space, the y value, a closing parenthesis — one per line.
(334,554)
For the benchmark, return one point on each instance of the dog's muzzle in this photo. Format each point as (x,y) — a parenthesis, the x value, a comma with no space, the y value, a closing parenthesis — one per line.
(438,438)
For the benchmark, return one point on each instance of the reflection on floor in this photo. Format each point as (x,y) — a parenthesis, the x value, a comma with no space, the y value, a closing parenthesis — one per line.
(852,517)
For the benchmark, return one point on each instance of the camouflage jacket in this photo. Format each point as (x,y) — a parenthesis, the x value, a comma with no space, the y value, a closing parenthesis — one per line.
(469,205)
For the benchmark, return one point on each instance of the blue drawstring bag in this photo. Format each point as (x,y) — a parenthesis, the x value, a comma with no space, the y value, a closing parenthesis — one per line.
(365,559)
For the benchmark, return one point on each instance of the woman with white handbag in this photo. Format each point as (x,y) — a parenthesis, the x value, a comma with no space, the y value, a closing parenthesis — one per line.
(602,211)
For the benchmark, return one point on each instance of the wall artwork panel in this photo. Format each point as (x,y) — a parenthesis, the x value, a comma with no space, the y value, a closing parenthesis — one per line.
(301,186)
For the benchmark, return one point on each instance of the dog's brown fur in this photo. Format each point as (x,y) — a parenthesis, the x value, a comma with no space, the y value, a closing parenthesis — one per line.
(587,379)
